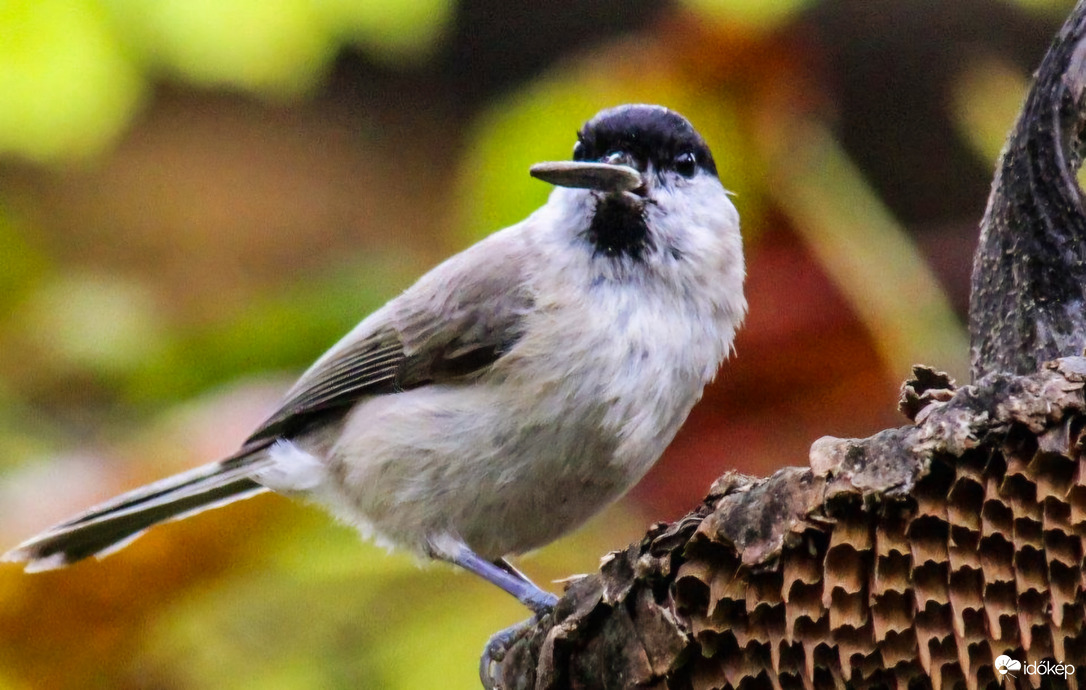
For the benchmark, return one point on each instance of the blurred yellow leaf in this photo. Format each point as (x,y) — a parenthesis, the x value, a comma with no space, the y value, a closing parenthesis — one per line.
(276,46)
(987,96)
(1052,8)
(393,31)
(757,13)
(68,87)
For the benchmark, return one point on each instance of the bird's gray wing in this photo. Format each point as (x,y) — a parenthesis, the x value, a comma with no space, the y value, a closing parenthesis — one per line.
(455,322)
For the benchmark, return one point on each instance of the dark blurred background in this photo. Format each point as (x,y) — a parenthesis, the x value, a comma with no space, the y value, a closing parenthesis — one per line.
(197,198)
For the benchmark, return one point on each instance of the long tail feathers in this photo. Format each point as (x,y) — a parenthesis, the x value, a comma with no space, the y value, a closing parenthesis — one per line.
(116,523)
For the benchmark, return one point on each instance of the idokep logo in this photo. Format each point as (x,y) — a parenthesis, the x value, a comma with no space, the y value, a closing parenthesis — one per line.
(1006,666)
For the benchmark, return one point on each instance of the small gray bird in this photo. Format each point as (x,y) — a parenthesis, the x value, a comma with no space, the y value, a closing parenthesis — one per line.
(514,390)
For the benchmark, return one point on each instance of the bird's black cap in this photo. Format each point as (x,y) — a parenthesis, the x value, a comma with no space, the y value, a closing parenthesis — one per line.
(649,133)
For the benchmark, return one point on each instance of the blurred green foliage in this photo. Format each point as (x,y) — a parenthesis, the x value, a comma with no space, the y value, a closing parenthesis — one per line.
(335,613)
(93,322)
(24,265)
(68,86)
(987,99)
(276,48)
(73,73)
(760,14)
(276,330)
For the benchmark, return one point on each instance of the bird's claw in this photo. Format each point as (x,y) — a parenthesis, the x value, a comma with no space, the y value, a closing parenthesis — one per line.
(497,647)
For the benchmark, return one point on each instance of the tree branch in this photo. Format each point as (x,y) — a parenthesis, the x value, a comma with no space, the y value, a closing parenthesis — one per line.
(1028,303)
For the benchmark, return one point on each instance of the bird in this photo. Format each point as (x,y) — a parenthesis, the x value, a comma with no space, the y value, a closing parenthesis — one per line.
(515,389)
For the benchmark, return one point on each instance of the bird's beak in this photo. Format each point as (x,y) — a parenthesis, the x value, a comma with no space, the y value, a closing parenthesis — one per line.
(603,177)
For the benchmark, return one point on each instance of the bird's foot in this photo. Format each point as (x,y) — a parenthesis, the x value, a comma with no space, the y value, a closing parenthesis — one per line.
(498,646)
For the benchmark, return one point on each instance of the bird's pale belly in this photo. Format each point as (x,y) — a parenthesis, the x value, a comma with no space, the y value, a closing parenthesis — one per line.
(504,478)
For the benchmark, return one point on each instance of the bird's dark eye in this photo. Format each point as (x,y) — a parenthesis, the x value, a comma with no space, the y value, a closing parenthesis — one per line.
(686,164)
(578,151)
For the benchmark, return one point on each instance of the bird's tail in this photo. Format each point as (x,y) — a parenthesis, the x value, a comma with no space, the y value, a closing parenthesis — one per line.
(116,523)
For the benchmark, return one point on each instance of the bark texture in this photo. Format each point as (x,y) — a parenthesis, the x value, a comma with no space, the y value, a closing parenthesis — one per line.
(1028,302)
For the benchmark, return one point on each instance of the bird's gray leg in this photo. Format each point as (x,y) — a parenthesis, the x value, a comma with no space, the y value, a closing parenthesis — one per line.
(454,551)
(498,644)
(504,575)
(513,570)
